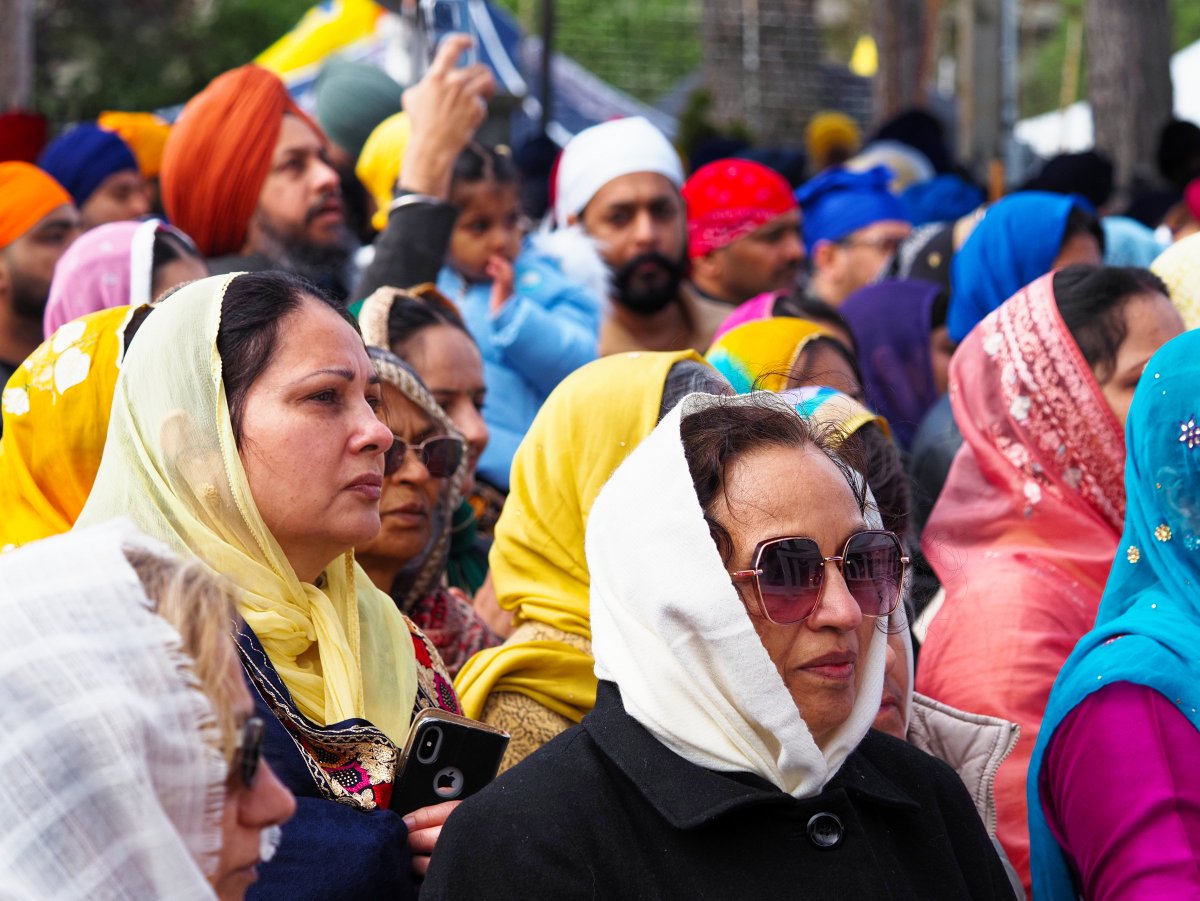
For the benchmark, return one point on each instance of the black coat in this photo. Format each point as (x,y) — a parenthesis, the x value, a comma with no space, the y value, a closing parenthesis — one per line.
(606,811)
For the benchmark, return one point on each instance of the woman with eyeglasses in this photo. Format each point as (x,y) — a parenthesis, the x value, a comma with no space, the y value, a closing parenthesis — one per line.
(423,475)
(246,431)
(740,592)
(128,719)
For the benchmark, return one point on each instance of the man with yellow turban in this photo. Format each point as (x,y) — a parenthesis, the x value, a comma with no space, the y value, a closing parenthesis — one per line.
(246,173)
(38,221)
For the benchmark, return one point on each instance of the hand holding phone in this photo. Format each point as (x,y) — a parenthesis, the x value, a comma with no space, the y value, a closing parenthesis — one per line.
(446,758)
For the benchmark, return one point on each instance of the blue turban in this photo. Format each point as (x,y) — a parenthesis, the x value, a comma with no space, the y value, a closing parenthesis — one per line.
(1016,242)
(941,199)
(80,159)
(838,202)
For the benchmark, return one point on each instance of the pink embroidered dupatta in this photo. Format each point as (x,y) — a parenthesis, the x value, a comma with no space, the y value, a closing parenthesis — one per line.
(1024,533)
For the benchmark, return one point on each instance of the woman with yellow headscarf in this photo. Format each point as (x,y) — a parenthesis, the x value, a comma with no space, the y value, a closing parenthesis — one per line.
(541,681)
(244,431)
(55,410)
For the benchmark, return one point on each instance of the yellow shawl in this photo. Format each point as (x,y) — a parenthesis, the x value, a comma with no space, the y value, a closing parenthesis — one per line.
(171,464)
(56,409)
(762,353)
(1179,269)
(585,429)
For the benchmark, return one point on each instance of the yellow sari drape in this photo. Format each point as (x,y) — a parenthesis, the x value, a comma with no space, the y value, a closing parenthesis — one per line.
(56,408)
(587,426)
(171,465)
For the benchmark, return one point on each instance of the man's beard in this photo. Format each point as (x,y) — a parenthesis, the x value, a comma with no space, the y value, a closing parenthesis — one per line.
(646,293)
(28,295)
(321,264)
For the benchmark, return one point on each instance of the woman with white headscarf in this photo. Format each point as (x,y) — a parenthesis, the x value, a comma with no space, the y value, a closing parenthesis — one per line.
(129,730)
(740,590)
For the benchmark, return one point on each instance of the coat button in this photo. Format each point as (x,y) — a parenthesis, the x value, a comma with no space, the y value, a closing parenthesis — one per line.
(825,830)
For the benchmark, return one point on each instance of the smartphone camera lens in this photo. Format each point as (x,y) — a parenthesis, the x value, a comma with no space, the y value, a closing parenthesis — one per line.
(430,744)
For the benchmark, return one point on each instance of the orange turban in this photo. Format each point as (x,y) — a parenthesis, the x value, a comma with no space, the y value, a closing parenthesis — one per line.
(219,154)
(26,195)
(145,133)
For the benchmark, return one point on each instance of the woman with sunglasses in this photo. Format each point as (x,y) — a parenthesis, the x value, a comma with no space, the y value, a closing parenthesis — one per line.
(128,718)
(740,593)
(423,475)
(246,431)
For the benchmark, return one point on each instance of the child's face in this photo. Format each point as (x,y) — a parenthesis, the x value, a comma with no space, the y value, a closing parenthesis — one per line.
(489,224)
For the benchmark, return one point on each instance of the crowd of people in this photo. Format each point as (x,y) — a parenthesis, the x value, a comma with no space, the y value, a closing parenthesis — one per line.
(832,534)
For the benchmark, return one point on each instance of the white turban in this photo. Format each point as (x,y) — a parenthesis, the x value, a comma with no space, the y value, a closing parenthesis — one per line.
(597,155)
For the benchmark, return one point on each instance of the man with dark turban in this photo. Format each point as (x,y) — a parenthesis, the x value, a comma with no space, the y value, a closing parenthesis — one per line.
(743,231)
(101,173)
(38,221)
(246,173)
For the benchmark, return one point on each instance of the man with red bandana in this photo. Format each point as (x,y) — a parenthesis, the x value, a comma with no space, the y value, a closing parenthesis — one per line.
(246,173)
(743,231)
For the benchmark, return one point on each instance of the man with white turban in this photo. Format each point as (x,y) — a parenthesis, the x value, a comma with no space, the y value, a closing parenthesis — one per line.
(620,182)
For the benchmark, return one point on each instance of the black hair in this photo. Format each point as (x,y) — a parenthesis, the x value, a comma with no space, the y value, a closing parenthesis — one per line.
(807,374)
(717,436)
(478,163)
(877,459)
(939,311)
(1081,222)
(251,310)
(1091,300)
(802,306)
(411,314)
(168,248)
(1178,153)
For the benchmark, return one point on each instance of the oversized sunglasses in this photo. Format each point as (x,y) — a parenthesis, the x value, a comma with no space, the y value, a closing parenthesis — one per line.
(789,575)
(248,754)
(440,455)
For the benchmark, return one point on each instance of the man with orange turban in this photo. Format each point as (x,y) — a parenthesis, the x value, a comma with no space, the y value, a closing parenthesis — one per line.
(246,174)
(38,221)
(743,231)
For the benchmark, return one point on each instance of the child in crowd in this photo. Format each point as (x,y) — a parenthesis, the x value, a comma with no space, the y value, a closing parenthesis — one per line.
(534,324)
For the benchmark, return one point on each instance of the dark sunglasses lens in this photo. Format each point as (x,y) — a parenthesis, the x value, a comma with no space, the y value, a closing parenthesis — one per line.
(790,582)
(442,456)
(393,457)
(250,750)
(873,570)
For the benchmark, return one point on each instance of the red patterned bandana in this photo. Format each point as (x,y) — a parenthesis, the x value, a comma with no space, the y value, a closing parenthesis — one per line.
(728,199)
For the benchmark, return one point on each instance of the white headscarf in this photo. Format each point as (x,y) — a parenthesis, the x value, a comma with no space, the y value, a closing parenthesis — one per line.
(597,155)
(669,628)
(114,778)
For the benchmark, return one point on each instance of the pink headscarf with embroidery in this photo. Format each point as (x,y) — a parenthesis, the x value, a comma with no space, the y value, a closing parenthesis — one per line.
(110,266)
(1024,533)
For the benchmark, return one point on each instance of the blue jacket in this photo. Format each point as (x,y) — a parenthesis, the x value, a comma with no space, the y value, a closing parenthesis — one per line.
(547,329)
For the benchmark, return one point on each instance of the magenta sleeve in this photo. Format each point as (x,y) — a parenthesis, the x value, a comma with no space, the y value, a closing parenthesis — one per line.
(1120,788)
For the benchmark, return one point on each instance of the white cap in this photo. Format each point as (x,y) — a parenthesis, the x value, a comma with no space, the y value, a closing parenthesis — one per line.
(597,155)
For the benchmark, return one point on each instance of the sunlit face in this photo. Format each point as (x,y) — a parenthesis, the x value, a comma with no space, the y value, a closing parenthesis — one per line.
(1150,322)
(844,266)
(450,365)
(821,364)
(249,809)
(1079,248)
(767,259)
(27,264)
(312,444)
(896,678)
(776,492)
(488,225)
(635,214)
(301,198)
(410,494)
(121,196)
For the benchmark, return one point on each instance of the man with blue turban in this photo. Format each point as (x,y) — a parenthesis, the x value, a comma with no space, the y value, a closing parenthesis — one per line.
(100,172)
(852,227)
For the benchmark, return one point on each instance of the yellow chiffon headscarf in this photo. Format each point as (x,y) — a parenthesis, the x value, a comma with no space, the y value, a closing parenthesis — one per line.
(584,430)
(762,353)
(55,410)
(1179,268)
(172,466)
